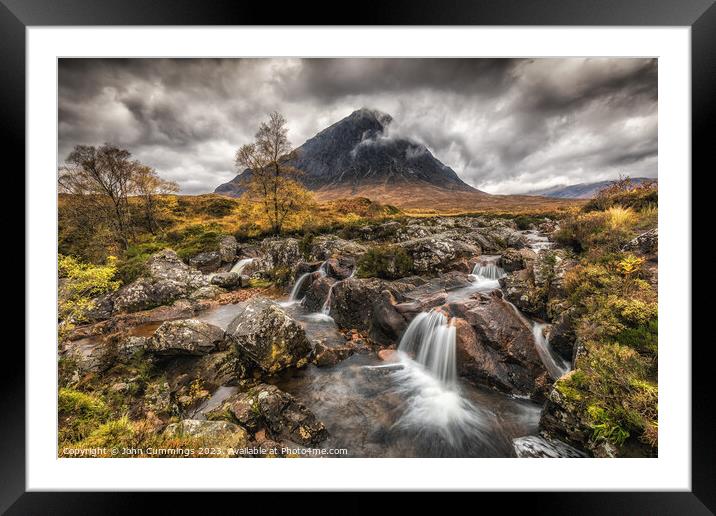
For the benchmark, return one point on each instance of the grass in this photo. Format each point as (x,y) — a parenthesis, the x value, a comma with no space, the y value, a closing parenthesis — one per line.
(613,387)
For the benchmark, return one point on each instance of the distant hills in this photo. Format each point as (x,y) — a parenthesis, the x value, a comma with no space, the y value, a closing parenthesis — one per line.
(580,190)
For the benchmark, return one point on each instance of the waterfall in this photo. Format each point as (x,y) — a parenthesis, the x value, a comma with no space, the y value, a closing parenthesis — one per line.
(293,296)
(488,270)
(556,367)
(240,265)
(431,339)
(326,308)
(297,286)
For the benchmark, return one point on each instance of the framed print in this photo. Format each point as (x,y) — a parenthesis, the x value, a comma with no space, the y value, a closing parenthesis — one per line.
(450,250)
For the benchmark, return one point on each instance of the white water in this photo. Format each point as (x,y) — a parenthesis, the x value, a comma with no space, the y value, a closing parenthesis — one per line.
(487,269)
(293,296)
(556,367)
(431,340)
(326,308)
(428,379)
(240,265)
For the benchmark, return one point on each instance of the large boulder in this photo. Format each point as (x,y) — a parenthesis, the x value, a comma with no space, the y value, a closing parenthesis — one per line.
(516,259)
(280,252)
(265,333)
(437,253)
(282,415)
(392,312)
(326,246)
(146,293)
(166,265)
(227,280)
(186,337)
(315,291)
(206,262)
(495,346)
(519,289)
(562,335)
(352,300)
(228,247)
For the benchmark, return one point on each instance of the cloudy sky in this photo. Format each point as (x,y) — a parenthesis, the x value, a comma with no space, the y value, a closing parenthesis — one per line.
(504,125)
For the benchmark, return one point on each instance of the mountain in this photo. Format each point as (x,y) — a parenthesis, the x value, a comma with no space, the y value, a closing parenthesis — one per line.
(580,190)
(356,156)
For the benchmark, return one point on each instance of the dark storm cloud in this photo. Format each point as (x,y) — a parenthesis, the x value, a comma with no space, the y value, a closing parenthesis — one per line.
(504,125)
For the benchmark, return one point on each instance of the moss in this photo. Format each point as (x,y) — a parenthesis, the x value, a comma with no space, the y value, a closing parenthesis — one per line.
(387,262)
(259,283)
(280,276)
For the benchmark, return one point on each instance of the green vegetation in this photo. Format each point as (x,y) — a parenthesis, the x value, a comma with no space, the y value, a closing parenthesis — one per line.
(386,262)
(79,283)
(614,385)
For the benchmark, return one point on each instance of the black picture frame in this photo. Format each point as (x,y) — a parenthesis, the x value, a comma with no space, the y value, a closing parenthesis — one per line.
(700,15)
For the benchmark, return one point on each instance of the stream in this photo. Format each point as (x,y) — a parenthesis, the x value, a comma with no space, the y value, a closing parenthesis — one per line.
(415,405)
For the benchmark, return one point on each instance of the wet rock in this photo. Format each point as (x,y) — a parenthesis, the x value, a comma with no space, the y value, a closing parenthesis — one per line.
(282,415)
(186,337)
(267,335)
(325,356)
(535,446)
(218,434)
(228,247)
(287,418)
(437,253)
(206,262)
(352,302)
(515,259)
(340,268)
(227,280)
(388,323)
(316,291)
(388,355)
(495,346)
(520,290)
(562,334)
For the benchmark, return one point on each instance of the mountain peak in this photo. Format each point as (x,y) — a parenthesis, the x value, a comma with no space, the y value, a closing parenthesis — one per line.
(372,114)
(357,154)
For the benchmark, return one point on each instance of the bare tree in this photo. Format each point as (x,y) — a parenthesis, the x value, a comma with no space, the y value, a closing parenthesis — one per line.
(147,185)
(272,180)
(104,176)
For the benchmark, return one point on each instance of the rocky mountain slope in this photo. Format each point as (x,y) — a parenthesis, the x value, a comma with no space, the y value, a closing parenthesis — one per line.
(358,156)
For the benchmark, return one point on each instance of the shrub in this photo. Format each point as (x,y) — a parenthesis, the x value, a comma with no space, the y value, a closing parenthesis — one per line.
(79,414)
(627,194)
(79,284)
(387,262)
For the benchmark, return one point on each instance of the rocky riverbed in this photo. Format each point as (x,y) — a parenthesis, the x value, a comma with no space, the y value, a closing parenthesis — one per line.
(324,362)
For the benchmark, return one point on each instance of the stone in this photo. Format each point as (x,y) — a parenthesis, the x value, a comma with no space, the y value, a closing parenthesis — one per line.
(186,337)
(265,333)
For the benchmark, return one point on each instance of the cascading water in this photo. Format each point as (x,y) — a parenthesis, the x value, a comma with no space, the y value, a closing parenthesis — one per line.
(240,265)
(431,340)
(293,296)
(488,270)
(556,367)
(434,404)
